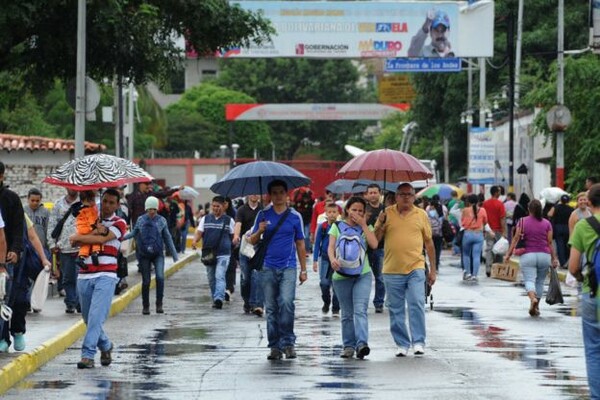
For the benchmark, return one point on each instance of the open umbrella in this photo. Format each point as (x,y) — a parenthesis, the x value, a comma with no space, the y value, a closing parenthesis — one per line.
(340,186)
(188,193)
(385,165)
(444,190)
(254,177)
(97,171)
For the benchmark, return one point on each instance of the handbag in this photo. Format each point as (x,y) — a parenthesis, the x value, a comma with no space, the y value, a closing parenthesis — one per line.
(246,249)
(520,247)
(257,261)
(209,254)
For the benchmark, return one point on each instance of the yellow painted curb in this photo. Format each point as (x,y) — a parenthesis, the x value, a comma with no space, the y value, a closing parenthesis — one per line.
(28,363)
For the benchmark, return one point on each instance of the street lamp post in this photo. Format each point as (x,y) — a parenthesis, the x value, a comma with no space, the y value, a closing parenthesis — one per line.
(234,149)
(231,152)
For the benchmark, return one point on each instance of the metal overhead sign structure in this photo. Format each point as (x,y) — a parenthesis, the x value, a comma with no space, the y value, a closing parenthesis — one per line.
(313,112)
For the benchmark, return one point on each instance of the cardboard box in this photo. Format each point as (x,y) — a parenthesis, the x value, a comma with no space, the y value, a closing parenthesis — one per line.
(506,272)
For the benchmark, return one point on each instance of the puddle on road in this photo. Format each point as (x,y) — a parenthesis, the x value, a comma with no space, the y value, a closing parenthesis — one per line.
(45,385)
(531,353)
(340,385)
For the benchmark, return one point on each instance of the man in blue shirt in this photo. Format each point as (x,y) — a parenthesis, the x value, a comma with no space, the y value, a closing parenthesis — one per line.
(278,275)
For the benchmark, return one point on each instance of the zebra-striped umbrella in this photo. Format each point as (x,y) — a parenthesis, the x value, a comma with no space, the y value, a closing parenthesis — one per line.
(97,171)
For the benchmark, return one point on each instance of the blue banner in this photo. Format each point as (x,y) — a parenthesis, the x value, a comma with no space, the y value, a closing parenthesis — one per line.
(423,65)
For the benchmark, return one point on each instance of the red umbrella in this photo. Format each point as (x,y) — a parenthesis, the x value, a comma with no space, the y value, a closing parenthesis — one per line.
(385,165)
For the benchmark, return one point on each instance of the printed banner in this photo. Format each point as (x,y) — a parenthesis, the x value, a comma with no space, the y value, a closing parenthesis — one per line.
(482,157)
(294,112)
(367,29)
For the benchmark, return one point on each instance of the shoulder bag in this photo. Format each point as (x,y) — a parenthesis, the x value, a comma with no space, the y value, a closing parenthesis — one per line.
(257,261)
(209,254)
(520,247)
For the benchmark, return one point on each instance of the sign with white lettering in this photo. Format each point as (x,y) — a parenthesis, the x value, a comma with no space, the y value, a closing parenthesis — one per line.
(423,65)
(482,157)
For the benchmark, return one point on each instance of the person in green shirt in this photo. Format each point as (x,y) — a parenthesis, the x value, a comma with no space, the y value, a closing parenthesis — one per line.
(353,290)
(582,243)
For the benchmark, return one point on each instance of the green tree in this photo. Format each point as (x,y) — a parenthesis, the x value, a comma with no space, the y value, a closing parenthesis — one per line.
(442,97)
(197,122)
(582,78)
(135,39)
(301,81)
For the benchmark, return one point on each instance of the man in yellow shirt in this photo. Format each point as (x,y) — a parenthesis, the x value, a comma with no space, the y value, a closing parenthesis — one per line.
(406,230)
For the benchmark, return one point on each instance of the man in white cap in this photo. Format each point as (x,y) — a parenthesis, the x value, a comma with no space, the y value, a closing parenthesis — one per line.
(150,233)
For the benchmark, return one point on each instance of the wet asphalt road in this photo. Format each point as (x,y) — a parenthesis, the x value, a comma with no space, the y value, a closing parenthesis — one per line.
(481,345)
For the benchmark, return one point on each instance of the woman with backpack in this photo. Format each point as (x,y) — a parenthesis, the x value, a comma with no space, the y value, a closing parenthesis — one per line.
(473,220)
(538,253)
(151,232)
(352,278)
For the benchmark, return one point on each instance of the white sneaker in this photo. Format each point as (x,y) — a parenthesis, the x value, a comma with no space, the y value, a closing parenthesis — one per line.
(419,349)
(401,352)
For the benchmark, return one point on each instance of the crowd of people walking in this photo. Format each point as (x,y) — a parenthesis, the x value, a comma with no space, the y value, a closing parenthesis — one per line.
(389,242)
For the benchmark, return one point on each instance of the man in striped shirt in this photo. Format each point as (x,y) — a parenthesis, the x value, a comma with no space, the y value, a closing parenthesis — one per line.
(96,284)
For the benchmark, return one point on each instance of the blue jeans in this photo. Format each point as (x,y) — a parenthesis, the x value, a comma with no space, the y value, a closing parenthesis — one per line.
(406,291)
(327,296)
(184,232)
(252,292)
(354,294)
(591,341)
(216,277)
(438,241)
(535,269)
(95,297)
(455,247)
(279,288)
(146,270)
(376,261)
(307,245)
(69,270)
(472,245)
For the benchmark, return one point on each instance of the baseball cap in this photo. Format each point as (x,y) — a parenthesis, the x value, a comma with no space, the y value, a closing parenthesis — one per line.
(151,202)
(441,18)
(565,198)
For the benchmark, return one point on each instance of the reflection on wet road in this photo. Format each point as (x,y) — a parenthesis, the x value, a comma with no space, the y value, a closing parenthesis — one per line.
(196,352)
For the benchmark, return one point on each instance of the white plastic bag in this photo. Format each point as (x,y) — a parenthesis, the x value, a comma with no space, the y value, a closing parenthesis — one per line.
(570,280)
(39,293)
(500,247)
(246,248)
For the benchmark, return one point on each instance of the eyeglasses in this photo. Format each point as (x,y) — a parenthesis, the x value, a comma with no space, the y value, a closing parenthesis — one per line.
(405,194)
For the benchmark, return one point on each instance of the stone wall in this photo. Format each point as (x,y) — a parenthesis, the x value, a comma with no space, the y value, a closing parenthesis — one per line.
(21,178)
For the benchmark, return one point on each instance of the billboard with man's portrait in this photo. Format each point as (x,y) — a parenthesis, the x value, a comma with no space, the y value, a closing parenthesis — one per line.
(367,29)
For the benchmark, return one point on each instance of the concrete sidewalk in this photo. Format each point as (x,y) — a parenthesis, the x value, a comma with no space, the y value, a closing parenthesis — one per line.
(52,331)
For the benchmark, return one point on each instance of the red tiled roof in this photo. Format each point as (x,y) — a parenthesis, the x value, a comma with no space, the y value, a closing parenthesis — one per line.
(38,143)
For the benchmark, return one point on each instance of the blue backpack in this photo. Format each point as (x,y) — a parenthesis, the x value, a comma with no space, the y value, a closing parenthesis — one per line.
(350,249)
(151,242)
(593,264)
